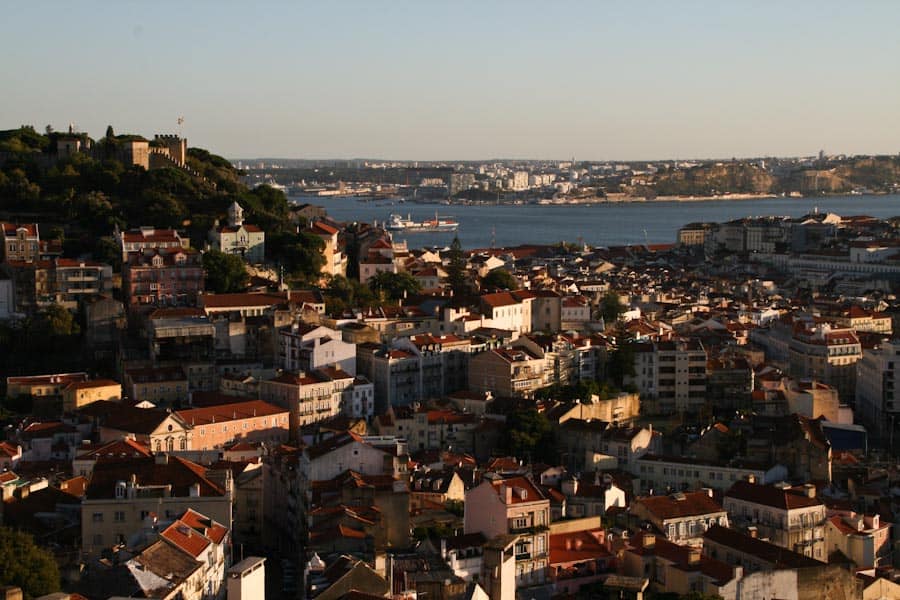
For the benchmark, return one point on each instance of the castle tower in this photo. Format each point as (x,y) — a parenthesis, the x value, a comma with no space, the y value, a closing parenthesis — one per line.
(235,215)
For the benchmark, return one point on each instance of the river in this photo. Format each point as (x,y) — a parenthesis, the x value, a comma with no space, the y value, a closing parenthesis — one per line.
(598,224)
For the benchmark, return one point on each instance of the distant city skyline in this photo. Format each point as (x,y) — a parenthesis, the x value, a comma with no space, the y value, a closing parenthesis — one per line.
(464,80)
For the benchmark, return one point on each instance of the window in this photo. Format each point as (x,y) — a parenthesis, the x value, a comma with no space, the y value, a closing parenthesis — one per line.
(98,539)
(98,517)
(119,516)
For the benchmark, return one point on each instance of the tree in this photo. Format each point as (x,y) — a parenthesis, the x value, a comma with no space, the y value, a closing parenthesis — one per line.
(225,273)
(394,285)
(529,436)
(110,134)
(611,307)
(500,279)
(26,565)
(621,364)
(301,254)
(55,322)
(457,275)
(343,292)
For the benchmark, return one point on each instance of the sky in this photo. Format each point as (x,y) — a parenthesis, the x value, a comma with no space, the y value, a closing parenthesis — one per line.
(466,80)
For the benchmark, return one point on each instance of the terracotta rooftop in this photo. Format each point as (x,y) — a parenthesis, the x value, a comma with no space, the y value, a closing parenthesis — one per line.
(770,495)
(676,506)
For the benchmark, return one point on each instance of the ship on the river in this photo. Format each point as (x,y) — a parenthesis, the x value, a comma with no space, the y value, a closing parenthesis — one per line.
(438,224)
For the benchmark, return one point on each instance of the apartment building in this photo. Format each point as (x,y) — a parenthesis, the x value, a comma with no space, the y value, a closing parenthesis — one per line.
(826,354)
(252,421)
(304,347)
(877,385)
(309,397)
(62,281)
(148,238)
(671,375)
(682,517)
(123,498)
(513,506)
(677,473)
(20,242)
(81,393)
(163,386)
(864,539)
(506,372)
(508,310)
(790,517)
(162,277)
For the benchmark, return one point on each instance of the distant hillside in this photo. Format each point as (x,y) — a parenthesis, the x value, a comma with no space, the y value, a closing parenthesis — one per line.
(876,174)
(719,178)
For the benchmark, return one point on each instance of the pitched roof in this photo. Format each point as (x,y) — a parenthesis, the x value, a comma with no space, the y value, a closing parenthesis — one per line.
(775,555)
(176,472)
(676,506)
(769,495)
(523,489)
(229,412)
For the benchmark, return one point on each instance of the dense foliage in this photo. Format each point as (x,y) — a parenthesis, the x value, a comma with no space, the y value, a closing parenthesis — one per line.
(225,273)
(528,436)
(499,279)
(26,565)
(394,286)
(91,193)
(611,307)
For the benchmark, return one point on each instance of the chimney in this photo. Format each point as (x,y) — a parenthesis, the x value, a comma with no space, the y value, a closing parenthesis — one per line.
(162,458)
(809,490)
(693,555)
(751,478)
(649,540)
(753,532)
(508,491)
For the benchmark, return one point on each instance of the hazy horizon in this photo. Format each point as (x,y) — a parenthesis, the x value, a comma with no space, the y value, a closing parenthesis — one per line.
(463,81)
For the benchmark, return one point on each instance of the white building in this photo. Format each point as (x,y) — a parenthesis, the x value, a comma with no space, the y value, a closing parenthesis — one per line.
(246,241)
(877,398)
(305,348)
(247,579)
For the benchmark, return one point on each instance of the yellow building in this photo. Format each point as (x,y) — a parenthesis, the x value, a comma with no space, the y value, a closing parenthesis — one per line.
(81,393)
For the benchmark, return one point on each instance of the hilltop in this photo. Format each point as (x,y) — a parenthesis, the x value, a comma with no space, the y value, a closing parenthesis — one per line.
(87,187)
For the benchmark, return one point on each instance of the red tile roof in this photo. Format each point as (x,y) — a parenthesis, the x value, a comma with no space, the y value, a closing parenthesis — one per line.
(770,495)
(229,412)
(676,506)
(577,546)
(185,538)
(214,530)
(518,484)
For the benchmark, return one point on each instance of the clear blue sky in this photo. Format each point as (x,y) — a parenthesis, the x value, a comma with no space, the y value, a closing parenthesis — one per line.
(468,80)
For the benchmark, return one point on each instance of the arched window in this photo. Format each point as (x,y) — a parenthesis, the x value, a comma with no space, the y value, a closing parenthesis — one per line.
(170,444)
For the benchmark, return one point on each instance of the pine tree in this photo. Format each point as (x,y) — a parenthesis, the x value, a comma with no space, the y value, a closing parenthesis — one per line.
(457,276)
